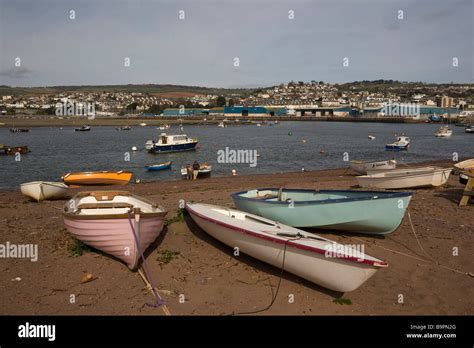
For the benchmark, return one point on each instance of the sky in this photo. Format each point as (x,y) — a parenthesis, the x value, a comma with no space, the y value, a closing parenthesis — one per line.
(234,43)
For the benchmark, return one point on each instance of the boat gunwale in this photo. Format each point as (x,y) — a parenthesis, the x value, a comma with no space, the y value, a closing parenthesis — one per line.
(281,240)
(143,215)
(404,175)
(387,195)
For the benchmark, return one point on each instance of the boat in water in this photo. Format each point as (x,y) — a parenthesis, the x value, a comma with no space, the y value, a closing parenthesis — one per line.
(19,130)
(321,261)
(44,190)
(83,129)
(158,167)
(98,178)
(444,132)
(361,167)
(406,178)
(204,171)
(221,125)
(163,127)
(13,150)
(123,128)
(369,212)
(469,129)
(171,143)
(116,222)
(401,143)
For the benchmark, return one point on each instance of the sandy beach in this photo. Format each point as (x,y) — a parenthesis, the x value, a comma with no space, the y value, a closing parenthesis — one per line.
(215,282)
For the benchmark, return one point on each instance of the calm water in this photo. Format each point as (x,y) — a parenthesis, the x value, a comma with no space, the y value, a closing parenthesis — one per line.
(56,151)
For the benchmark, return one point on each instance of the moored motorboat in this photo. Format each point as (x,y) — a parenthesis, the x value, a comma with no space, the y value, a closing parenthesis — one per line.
(124,128)
(98,178)
(157,167)
(304,254)
(115,222)
(361,167)
(44,190)
(369,212)
(406,178)
(401,143)
(19,130)
(171,143)
(469,129)
(83,129)
(444,132)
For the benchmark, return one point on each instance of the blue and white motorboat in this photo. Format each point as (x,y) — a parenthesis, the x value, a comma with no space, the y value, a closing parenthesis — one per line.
(402,143)
(171,143)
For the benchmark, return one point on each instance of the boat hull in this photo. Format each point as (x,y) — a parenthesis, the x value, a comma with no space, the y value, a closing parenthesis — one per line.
(173,148)
(42,190)
(98,178)
(158,168)
(115,236)
(409,179)
(396,148)
(304,260)
(377,213)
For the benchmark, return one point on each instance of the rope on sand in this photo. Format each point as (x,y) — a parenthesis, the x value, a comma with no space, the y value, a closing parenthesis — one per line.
(431,259)
(150,287)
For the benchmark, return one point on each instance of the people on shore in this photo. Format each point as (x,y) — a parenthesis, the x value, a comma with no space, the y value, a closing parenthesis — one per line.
(189,172)
(196,168)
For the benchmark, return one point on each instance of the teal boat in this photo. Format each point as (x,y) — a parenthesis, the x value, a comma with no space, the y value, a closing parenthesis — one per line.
(370,212)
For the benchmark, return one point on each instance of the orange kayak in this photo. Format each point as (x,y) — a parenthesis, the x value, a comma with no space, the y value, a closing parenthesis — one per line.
(98,178)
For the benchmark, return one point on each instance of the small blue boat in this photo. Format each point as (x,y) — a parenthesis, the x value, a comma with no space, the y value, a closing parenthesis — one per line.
(156,167)
(401,144)
(370,212)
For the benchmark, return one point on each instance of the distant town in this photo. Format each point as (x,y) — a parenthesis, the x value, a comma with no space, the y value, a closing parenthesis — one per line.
(373,99)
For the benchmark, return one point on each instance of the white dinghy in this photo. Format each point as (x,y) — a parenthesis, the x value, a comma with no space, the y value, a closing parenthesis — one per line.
(324,262)
(43,190)
(406,178)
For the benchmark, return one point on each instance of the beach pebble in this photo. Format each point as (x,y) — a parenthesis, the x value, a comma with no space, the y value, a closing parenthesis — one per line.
(17,279)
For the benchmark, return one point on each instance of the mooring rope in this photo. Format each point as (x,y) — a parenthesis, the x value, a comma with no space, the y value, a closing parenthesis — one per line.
(147,278)
(431,259)
(282,270)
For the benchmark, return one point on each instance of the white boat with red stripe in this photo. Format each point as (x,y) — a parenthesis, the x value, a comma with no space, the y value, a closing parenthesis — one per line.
(304,254)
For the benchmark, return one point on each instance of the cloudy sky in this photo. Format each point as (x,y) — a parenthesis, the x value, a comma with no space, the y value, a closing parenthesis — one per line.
(271,46)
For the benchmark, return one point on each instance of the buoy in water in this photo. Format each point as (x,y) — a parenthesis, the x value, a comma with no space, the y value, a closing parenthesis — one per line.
(289,133)
(234,172)
(321,152)
(134,148)
(303,170)
(304,141)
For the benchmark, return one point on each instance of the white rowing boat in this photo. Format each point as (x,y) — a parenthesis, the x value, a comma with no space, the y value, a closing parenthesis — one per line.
(115,222)
(317,259)
(406,178)
(43,190)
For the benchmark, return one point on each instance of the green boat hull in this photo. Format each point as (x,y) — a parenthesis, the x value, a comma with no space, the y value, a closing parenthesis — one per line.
(369,212)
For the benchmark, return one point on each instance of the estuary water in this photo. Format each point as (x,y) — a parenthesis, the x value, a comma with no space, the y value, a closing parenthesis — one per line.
(288,146)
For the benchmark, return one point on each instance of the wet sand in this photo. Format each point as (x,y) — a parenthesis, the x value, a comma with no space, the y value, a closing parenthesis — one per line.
(215,282)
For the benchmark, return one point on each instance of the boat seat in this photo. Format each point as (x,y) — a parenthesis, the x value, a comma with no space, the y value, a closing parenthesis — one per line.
(104,205)
(267,196)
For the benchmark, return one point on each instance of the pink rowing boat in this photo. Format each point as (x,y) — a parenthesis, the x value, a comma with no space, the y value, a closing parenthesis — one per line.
(115,222)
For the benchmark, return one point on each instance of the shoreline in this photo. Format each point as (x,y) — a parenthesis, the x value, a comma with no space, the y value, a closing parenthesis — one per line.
(214,282)
(53,121)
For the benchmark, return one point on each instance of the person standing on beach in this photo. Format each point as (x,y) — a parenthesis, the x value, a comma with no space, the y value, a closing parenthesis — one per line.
(196,167)
(189,172)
